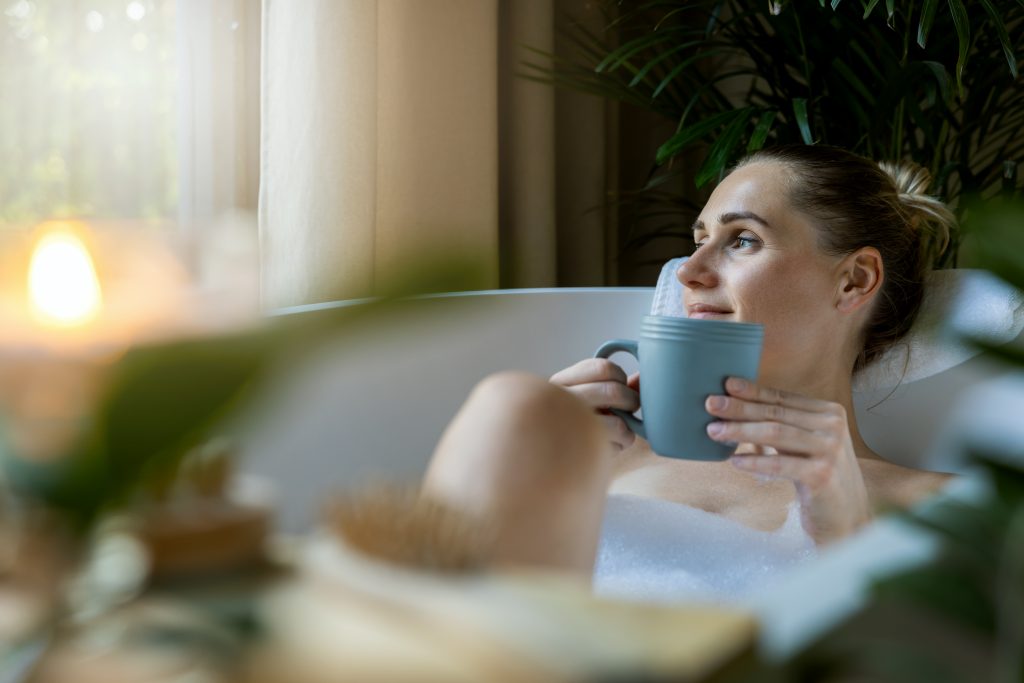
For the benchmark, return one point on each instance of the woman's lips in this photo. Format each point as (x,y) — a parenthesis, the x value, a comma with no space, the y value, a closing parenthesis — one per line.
(703,311)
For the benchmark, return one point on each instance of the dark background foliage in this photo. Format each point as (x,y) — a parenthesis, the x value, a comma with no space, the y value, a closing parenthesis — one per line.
(932,82)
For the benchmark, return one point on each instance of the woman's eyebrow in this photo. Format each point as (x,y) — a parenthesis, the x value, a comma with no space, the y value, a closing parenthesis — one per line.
(740,216)
(730,217)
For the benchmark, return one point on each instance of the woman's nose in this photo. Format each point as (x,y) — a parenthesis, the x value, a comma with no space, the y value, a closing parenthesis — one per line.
(697,271)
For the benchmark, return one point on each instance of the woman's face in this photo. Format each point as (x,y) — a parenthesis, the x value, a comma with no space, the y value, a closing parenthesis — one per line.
(757,260)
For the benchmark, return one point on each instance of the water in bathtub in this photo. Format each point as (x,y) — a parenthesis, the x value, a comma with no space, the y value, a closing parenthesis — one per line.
(659,550)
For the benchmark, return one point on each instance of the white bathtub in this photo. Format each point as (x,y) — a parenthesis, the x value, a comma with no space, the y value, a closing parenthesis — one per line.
(371,407)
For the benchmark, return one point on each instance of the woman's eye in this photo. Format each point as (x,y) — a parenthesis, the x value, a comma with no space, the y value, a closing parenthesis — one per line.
(739,242)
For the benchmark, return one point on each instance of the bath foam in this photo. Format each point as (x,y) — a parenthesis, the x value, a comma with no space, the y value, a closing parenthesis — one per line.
(662,551)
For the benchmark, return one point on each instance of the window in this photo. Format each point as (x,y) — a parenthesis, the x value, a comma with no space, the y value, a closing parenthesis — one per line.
(128,110)
(88,117)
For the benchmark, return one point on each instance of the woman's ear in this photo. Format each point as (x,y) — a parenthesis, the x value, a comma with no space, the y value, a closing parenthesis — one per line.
(860,279)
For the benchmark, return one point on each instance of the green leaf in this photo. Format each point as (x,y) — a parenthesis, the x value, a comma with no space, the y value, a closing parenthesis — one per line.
(975,532)
(800,111)
(869,8)
(890,8)
(623,54)
(999,239)
(868,62)
(722,149)
(683,65)
(913,110)
(941,78)
(760,134)
(835,3)
(1009,354)
(925,24)
(1004,38)
(941,590)
(1009,177)
(642,73)
(713,18)
(160,401)
(944,174)
(659,179)
(963,33)
(851,77)
(668,15)
(688,135)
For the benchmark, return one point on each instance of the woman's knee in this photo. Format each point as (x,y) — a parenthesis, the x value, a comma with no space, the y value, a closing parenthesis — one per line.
(533,458)
(520,396)
(519,426)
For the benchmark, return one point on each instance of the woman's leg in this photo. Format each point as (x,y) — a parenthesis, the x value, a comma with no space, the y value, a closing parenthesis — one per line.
(532,458)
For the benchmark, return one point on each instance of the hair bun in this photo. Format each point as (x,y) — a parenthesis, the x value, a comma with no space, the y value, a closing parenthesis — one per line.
(927,214)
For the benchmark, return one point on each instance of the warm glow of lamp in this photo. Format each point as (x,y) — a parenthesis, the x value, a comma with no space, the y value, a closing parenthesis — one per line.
(63,288)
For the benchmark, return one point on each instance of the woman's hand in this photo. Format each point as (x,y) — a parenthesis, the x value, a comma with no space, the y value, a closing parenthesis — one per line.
(798,438)
(603,385)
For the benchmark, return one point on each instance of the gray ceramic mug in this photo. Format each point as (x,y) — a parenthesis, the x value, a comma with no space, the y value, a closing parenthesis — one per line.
(682,362)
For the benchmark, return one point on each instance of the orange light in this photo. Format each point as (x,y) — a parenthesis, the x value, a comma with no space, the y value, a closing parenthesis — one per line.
(64,290)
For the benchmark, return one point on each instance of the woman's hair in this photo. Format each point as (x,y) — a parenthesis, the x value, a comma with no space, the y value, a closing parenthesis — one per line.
(856,203)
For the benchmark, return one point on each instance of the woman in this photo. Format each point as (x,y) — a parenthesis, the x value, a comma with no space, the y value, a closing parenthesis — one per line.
(826,249)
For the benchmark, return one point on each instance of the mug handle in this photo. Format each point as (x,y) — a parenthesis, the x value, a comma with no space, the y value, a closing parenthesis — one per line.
(629,346)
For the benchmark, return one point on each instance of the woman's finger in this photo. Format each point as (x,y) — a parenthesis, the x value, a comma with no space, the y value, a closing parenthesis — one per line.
(589,370)
(733,408)
(783,437)
(747,390)
(634,381)
(603,395)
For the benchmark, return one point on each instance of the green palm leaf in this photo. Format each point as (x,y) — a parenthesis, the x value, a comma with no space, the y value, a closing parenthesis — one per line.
(925,25)
(760,134)
(1004,37)
(688,135)
(800,112)
(722,150)
(963,34)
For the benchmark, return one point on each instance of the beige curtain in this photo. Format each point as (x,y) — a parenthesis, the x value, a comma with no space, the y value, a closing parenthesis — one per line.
(218,108)
(397,128)
(379,141)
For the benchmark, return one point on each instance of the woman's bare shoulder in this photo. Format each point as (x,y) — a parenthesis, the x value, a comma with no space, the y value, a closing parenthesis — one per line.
(890,484)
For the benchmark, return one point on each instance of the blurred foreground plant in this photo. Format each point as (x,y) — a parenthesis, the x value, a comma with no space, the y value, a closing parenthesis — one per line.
(959,617)
(162,400)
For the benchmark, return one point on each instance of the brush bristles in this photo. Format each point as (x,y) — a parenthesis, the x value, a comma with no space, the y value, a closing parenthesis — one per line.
(402,526)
